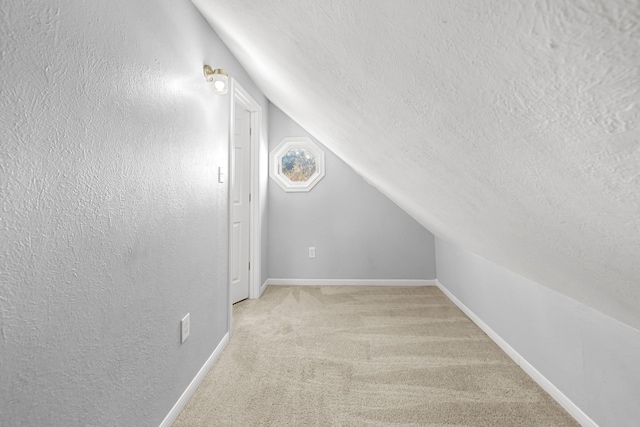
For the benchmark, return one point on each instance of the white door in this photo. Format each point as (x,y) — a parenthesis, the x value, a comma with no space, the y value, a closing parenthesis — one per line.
(240,209)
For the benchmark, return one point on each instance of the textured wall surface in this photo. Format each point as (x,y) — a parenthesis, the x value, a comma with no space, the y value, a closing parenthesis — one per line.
(590,357)
(113,225)
(508,128)
(358,232)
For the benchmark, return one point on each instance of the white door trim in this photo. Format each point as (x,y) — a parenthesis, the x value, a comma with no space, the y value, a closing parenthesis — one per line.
(241,97)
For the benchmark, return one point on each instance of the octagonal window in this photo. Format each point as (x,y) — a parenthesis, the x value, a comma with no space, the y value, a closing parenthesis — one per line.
(297,164)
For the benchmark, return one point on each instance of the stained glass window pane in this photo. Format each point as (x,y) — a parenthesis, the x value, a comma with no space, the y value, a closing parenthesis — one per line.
(298,164)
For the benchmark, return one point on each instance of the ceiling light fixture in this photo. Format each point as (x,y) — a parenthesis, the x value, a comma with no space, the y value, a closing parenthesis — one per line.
(218,77)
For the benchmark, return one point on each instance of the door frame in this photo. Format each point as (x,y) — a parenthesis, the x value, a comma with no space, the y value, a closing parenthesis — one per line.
(240,97)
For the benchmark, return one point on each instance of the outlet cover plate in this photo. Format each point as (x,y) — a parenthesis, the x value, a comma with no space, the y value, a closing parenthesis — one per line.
(185,327)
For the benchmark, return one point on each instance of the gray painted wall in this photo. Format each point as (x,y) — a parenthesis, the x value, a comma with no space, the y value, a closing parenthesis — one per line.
(357,231)
(590,357)
(113,224)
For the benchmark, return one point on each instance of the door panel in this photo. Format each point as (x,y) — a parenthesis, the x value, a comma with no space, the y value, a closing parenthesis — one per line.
(235,258)
(240,209)
(239,182)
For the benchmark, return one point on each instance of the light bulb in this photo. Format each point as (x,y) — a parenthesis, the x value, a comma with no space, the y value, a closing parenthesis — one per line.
(219,78)
(221,83)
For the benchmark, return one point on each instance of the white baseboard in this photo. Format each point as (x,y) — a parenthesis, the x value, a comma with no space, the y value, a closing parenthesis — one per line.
(180,404)
(351,282)
(542,381)
(264,287)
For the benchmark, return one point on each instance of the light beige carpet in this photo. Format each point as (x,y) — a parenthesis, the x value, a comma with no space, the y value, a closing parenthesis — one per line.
(364,356)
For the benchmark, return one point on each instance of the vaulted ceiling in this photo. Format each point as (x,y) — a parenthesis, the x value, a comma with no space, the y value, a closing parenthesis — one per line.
(509,128)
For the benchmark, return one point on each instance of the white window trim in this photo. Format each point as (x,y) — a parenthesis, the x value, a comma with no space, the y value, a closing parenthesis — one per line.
(275,165)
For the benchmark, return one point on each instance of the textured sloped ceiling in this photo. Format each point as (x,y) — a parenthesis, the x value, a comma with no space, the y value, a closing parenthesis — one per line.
(509,128)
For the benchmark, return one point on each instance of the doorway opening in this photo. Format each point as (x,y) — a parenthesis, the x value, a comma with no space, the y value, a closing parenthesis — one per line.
(244,197)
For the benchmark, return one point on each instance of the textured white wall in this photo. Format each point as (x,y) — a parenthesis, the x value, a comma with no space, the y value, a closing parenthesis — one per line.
(358,233)
(113,224)
(590,357)
(508,128)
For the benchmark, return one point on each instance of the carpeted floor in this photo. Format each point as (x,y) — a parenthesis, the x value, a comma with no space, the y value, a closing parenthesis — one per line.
(364,356)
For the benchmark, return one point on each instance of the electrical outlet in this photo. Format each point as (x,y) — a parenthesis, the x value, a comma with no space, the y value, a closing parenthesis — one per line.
(185,327)
(312,252)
